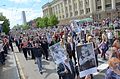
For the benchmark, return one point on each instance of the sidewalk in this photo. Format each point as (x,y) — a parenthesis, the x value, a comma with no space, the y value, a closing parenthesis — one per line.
(9,70)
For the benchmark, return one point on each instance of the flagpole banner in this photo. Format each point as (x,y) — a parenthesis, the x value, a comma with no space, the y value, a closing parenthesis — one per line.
(86,59)
(58,53)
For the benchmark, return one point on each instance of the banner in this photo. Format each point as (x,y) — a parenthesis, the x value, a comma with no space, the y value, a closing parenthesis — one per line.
(58,53)
(86,59)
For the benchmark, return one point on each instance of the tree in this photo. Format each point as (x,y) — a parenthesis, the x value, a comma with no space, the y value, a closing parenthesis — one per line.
(25,26)
(53,20)
(41,22)
(5,25)
(46,21)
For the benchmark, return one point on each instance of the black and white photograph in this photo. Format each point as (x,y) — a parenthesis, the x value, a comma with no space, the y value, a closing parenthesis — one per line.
(86,59)
(58,53)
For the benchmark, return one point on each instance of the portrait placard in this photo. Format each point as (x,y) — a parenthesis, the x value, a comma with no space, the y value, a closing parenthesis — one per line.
(58,53)
(86,59)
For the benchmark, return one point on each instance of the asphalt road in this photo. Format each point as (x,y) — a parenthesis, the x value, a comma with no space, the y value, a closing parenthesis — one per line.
(30,69)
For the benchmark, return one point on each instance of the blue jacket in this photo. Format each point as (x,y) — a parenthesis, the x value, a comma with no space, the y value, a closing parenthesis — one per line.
(111,75)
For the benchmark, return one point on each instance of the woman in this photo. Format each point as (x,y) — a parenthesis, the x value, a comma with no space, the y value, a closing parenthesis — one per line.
(114,53)
(104,46)
(113,72)
(96,49)
(116,44)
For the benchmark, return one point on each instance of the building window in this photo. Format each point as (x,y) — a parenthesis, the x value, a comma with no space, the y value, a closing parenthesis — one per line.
(67,15)
(81,11)
(75,6)
(87,2)
(98,16)
(59,11)
(66,8)
(69,1)
(71,14)
(63,16)
(76,13)
(98,0)
(99,8)
(70,7)
(108,6)
(118,5)
(60,17)
(65,1)
(87,10)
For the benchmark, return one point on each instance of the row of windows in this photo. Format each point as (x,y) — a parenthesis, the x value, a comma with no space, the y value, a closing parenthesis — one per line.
(109,6)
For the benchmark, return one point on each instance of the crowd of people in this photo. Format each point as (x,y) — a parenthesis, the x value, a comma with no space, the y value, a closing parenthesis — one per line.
(36,43)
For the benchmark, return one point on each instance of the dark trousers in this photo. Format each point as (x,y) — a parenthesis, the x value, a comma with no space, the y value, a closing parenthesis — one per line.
(11,46)
(110,41)
(5,48)
(25,52)
(46,53)
(103,54)
(72,54)
(32,54)
(19,48)
(2,57)
(96,58)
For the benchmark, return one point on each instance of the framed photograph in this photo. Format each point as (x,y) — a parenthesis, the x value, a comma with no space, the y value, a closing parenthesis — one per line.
(58,53)
(86,59)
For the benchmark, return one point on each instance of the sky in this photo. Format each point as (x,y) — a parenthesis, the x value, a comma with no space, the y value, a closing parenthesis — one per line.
(12,9)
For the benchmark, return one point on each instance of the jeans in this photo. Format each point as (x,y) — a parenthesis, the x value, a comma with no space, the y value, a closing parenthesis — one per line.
(39,62)
(110,41)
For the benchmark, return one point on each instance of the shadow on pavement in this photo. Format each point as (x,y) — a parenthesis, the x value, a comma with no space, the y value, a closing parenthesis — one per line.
(9,70)
(101,75)
(49,71)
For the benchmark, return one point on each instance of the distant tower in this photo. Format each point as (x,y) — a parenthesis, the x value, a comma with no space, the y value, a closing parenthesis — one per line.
(1,14)
(23,17)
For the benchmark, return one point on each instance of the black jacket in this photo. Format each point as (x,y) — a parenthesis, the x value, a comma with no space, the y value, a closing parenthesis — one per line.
(68,47)
(69,75)
(37,52)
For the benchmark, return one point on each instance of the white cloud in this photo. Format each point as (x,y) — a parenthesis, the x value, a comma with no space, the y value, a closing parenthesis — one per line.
(24,1)
(15,15)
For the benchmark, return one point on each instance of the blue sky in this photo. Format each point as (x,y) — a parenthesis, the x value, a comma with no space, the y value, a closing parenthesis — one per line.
(12,9)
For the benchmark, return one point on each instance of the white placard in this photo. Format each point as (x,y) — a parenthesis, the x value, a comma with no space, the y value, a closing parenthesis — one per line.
(58,53)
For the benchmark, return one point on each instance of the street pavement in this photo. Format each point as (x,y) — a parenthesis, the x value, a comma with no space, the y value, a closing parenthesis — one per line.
(30,69)
(9,70)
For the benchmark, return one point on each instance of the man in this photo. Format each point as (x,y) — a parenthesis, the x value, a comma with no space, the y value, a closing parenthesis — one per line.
(45,45)
(70,47)
(66,70)
(38,56)
(110,37)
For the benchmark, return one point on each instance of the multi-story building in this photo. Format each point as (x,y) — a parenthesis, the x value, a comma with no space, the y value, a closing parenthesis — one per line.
(67,10)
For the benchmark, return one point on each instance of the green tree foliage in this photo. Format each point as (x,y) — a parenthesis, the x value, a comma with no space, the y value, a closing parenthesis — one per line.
(46,21)
(5,25)
(53,20)
(25,26)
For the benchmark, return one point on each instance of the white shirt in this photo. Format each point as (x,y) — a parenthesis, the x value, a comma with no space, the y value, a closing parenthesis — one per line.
(71,44)
(109,34)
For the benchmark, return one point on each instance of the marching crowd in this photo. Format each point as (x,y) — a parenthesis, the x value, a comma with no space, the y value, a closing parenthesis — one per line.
(36,43)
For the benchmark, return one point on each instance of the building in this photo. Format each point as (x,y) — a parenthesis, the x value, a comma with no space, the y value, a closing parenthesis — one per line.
(23,17)
(67,10)
(1,13)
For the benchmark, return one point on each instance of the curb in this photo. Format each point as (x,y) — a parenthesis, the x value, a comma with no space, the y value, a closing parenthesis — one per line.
(20,71)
